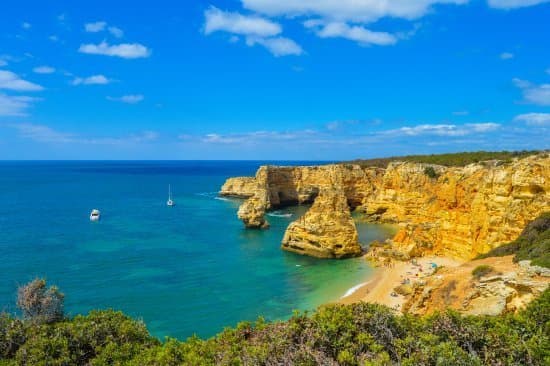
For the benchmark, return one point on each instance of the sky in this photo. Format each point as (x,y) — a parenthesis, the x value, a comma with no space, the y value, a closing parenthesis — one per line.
(272,79)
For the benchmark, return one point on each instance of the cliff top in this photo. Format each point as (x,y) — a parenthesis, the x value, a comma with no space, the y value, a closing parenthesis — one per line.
(451,159)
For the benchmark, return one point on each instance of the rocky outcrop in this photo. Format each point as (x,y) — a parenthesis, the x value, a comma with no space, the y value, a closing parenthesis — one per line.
(327,230)
(252,211)
(458,211)
(508,287)
(243,187)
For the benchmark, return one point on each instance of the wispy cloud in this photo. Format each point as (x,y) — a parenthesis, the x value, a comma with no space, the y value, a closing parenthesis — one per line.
(123,50)
(128,99)
(3,63)
(92,80)
(354,33)
(334,135)
(45,134)
(44,70)
(532,93)
(278,46)
(101,26)
(534,119)
(255,30)
(95,27)
(512,4)
(445,129)
(15,105)
(506,56)
(461,113)
(116,31)
(26,25)
(10,81)
(218,20)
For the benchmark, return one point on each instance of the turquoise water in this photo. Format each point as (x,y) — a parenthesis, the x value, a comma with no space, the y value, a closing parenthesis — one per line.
(189,269)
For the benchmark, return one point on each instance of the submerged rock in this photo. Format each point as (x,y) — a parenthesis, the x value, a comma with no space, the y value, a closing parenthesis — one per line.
(327,230)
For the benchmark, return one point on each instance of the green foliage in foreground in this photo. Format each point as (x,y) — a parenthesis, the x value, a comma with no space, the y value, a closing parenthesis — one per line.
(359,334)
(533,243)
(453,159)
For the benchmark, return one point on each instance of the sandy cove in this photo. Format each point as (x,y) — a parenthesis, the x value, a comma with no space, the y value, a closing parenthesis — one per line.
(381,285)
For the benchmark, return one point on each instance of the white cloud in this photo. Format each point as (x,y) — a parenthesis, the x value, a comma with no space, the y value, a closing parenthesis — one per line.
(534,119)
(506,56)
(92,80)
(128,99)
(15,105)
(255,29)
(347,10)
(461,113)
(278,46)
(218,20)
(45,134)
(445,129)
(10,81)
(534,94)
(26,25)
(44,70)
(53,38)
(511,4)
(354,33)
(251,137)
(124,50)
(95,27)
(117,32)
(548,71)
(3,63)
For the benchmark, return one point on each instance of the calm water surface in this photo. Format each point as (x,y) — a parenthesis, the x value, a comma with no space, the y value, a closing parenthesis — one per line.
(187,269)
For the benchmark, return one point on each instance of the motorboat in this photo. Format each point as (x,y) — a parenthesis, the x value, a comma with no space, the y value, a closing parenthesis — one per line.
(95,215)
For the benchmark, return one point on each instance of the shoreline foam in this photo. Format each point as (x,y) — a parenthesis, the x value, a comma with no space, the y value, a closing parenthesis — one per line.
(384,279)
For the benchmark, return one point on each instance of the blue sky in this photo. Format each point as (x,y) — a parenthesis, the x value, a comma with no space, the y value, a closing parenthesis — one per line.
(272,79)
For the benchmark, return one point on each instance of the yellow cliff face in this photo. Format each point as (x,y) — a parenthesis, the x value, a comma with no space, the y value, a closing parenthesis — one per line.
(327,230)
(459,212)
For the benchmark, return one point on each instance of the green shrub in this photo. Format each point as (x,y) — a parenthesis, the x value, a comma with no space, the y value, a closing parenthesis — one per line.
(482,270)
(430,172)
(533,243)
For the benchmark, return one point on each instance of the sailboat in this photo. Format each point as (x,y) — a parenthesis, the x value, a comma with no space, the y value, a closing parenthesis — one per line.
(170,202)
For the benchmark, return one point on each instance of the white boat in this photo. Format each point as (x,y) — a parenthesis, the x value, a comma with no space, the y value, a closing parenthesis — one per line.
(170,202)
(95,215)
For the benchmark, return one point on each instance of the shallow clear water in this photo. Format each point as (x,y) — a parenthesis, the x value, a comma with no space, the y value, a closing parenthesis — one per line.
(187,269)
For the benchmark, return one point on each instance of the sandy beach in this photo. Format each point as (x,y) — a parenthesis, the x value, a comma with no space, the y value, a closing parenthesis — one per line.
(381,285)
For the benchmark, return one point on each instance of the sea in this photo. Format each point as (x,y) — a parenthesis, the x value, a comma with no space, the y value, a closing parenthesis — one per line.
(191,269)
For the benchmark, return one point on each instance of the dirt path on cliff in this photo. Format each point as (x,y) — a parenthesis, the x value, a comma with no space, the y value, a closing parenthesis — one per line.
(379,287)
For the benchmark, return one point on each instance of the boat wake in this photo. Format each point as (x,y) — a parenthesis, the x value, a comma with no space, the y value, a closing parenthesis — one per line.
(279,214)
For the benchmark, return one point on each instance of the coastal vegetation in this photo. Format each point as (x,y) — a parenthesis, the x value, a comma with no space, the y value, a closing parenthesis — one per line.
(482,270)
(533,243)
(358,334)
(451,159)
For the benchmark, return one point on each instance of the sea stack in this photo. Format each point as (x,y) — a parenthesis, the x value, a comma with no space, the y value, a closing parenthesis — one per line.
(327,230)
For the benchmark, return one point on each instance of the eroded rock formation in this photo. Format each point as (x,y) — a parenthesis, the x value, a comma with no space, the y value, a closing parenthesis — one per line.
(459,211)
(327,230)
(507,287)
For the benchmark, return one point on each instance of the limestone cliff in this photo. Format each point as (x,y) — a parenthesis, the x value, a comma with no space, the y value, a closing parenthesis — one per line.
(456,211)
(327,230)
